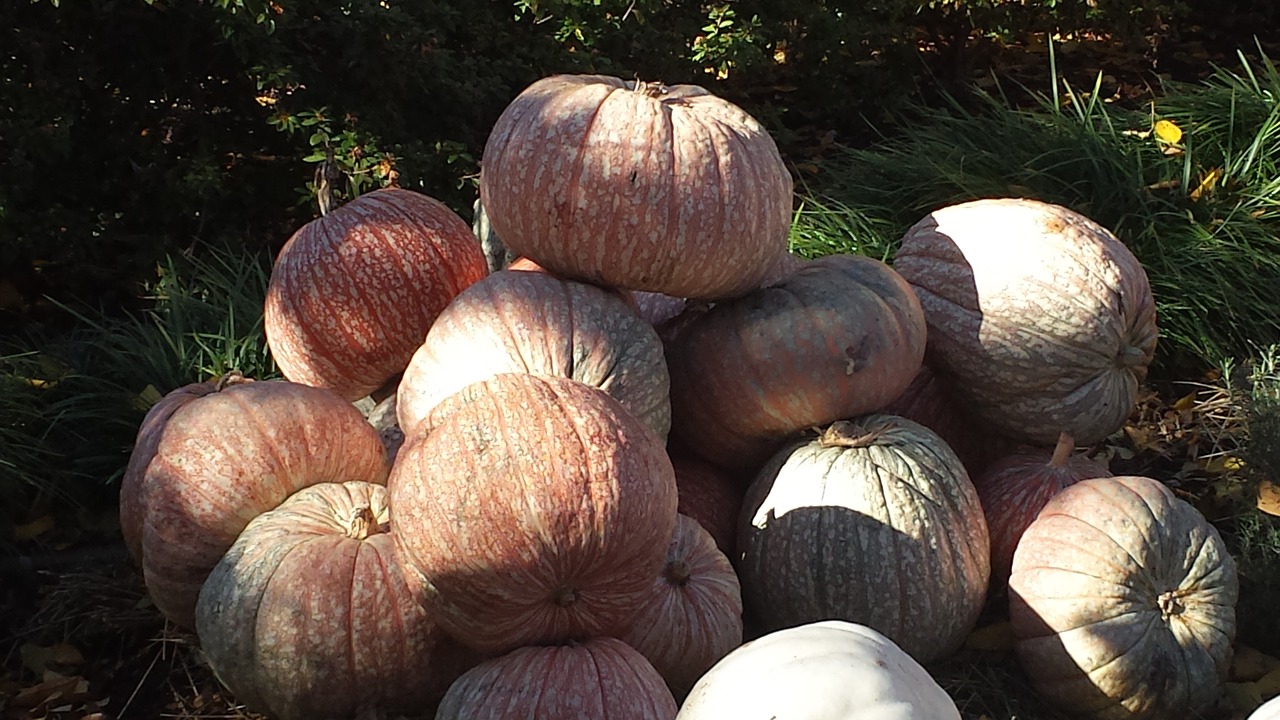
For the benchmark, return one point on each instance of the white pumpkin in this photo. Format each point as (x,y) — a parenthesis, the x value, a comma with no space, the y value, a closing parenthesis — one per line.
(830,670)
(1269,710)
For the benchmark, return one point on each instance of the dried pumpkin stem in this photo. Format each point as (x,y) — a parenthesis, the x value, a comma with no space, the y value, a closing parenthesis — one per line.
(678,573)
(847,434)
(566,597)
(650,89)
(1170,604)
(1062,450)
(362,523)
(233,377)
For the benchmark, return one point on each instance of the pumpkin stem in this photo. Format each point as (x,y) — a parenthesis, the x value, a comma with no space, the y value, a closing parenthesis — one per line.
(1062,450)
(678,573)
(232,377)
(847,434)
(650,89)
(565,597)
(1170,604)
(362,523)
(327,173)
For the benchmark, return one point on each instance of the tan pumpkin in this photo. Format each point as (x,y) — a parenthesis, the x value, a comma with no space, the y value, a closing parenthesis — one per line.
(144,451)
(1015,488)
(843,335)
(535,323)
(1043,318)
(829,670)
(694,616)
(224,459)
(1122,598)
(874,521)
(595,679)
(308,614)
(538,511)
(353,293)
(637,185)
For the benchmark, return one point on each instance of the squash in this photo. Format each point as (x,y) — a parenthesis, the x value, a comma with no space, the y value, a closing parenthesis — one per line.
(1122,599)
(1044,320)
(598,678)
(353,293)
(308,614)
(535,323)
(694,615)
(710,496)
(841,336)
(829,670)
(1016,487)
(874,521)
(637,185)
(931,401)
(225,458)
(1269,710)
(538,511)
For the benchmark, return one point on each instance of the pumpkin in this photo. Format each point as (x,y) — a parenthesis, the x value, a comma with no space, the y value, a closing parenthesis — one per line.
(598,678)
(694,616)
(538,511)
(1269,710)
(874,521)
(1122,600)
(308,614)
(637,185)
(710,496)
(535,323)
(225,458)
(144,451)
(1016,487)
(930,401)
(829,670)
(352,293)
(843,335)
(1043,318)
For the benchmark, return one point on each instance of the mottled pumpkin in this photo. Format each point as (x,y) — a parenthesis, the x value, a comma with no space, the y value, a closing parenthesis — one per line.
(710,496)
(1122,598)
(637,185)
(876,522)
(829,670)
(532,322)
(1044,320)
(1016,487)
(538,511)
(224,459)
(841,336)
(694,615)
(353,293)
(596,679)
(308,614)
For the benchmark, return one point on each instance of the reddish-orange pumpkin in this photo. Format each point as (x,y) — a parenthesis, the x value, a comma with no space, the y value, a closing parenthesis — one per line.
(841,336)
(637,185)
(709,495)
(600,678)
(694,616)
(353,293)
(308,615)
(536,323)
(1016,487)
(539,510)
(222,460)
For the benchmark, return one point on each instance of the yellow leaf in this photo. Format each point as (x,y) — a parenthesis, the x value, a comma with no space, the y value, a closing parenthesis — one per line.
(997,637)
(1185,403)
(1208,181)
(1167,131)
(1248,664)
(1269,685)
(33,529)
(1269,498)
(1244,697)
(1223,464)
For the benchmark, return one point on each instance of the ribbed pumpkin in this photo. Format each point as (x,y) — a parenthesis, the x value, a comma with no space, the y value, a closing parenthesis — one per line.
(538,511)
(600,678)
(1269,710)
(535,323)
(353,293)
(144,451)
(875,522)
(308,615)
(224,459)
(830,670)
(710,496)
(930,401)
(843,335)
(1123,600)
(1016,487)
(637,185)
(694,616)
(1043,318)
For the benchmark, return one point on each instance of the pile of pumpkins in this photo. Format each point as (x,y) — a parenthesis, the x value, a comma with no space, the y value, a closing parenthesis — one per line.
(660,467)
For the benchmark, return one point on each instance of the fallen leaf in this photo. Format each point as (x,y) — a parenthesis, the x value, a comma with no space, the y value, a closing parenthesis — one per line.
(1269,685)
(1244,697)
(1208,181)
(997,637)
(1167,131)
(33,529)
(1248,664)
(1268,498)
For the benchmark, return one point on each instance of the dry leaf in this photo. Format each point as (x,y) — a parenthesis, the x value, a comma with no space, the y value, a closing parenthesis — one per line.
(1248,664)
(1269,498)
(33,529)
(1167,131)
(997,637)
(1269,685)
(1208,181)
(1244,697)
